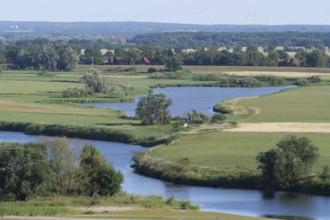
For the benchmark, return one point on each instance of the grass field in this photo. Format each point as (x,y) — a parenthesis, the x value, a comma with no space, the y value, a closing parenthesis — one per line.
(117,207)
(304,104)
(232,150)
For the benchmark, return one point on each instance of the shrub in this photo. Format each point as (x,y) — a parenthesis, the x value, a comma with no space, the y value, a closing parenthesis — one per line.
(151,70)
(73,92)
(218,118)
(301,82)
(195,117)
(314,79)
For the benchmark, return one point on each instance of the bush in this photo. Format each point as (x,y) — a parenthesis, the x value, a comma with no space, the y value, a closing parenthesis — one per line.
(314,79)
(195,117)
(99,176)
(301,82)
(151,70)
(218,118)
(74,92)
(222,109)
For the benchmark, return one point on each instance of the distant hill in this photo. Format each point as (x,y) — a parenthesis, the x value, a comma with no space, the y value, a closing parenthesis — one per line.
(73,29)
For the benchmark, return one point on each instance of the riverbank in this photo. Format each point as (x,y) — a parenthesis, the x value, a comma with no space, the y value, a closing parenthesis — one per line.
(227,159)
(103,133)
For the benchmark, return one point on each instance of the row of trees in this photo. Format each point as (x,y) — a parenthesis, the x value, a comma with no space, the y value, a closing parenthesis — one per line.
(64,56)
(50,57)
(51,166)
(182,40)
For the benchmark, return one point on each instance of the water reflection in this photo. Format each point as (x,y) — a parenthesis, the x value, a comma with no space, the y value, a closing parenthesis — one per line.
(233,201)
(287,217)
(201,99)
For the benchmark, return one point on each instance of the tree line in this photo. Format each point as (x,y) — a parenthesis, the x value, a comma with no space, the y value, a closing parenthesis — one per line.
(231,39)
(43,54)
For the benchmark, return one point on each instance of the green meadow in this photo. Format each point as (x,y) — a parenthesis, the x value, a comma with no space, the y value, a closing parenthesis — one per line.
(303,104)
(232,150)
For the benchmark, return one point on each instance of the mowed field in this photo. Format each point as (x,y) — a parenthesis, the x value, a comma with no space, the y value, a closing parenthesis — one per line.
(233,150)
(304,107)
(303,104)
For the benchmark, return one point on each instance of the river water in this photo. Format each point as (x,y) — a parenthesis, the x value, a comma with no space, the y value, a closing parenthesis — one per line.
(201,99)
(233,201)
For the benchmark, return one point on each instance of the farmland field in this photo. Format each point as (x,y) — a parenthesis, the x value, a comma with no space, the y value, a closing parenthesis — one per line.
(232,150)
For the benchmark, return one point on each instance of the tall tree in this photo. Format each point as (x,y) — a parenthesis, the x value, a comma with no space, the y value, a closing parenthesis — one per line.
(288,163)
(153,109)
(24,170)
(98,175)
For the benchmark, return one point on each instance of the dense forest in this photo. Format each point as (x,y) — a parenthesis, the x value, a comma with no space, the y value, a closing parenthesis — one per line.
(64,55)
(209,40)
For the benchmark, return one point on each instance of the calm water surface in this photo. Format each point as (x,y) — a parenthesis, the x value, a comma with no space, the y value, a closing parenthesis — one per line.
(201,99)
(240,202)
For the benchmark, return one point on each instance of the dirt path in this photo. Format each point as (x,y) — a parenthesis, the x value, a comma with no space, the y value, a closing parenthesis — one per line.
(44,218)
(282,127)
(96,209)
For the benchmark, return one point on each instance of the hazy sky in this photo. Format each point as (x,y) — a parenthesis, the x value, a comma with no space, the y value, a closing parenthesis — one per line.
(174,11)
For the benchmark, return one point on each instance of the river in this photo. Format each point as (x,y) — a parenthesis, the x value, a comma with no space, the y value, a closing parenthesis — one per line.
(201,99)
(233,201)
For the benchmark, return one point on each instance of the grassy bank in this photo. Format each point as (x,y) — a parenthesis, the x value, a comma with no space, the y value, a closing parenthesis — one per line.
(219,159)
(121,206)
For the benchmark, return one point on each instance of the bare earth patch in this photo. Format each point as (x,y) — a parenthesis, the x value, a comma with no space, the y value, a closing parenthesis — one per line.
(283,74)
(282,127)
(103,209)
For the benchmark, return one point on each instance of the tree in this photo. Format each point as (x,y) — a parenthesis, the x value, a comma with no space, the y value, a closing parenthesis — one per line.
(96,83)
(63,162)
(316,58)
(68,59)
(48,58)
(98,176)
(288,163)
(153,109)
(92,56)
(24,170)
(172,61)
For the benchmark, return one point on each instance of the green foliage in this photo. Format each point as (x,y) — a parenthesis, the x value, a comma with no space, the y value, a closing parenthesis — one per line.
(63,166)
(24,170)
(325,175)
(153,109)
(184,172)
(34,209)
(73,92)
(96,83)
(288,163)
(217,118)
(53,166)
(50,57)
(195,117)
(301,82)
(314,79)
(151,70)
(98,176)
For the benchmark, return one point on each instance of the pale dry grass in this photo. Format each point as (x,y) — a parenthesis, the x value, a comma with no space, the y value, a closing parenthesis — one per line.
(282,74)
(11,106)
(295,127)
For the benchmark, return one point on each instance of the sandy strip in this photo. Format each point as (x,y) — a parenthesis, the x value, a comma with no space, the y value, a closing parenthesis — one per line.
(44,218)
(266,73)
(282,127)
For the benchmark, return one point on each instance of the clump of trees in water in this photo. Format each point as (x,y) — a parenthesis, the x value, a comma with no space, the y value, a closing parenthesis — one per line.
(53,167)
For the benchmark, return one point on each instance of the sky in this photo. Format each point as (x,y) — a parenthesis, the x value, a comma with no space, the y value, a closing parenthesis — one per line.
(267,12)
